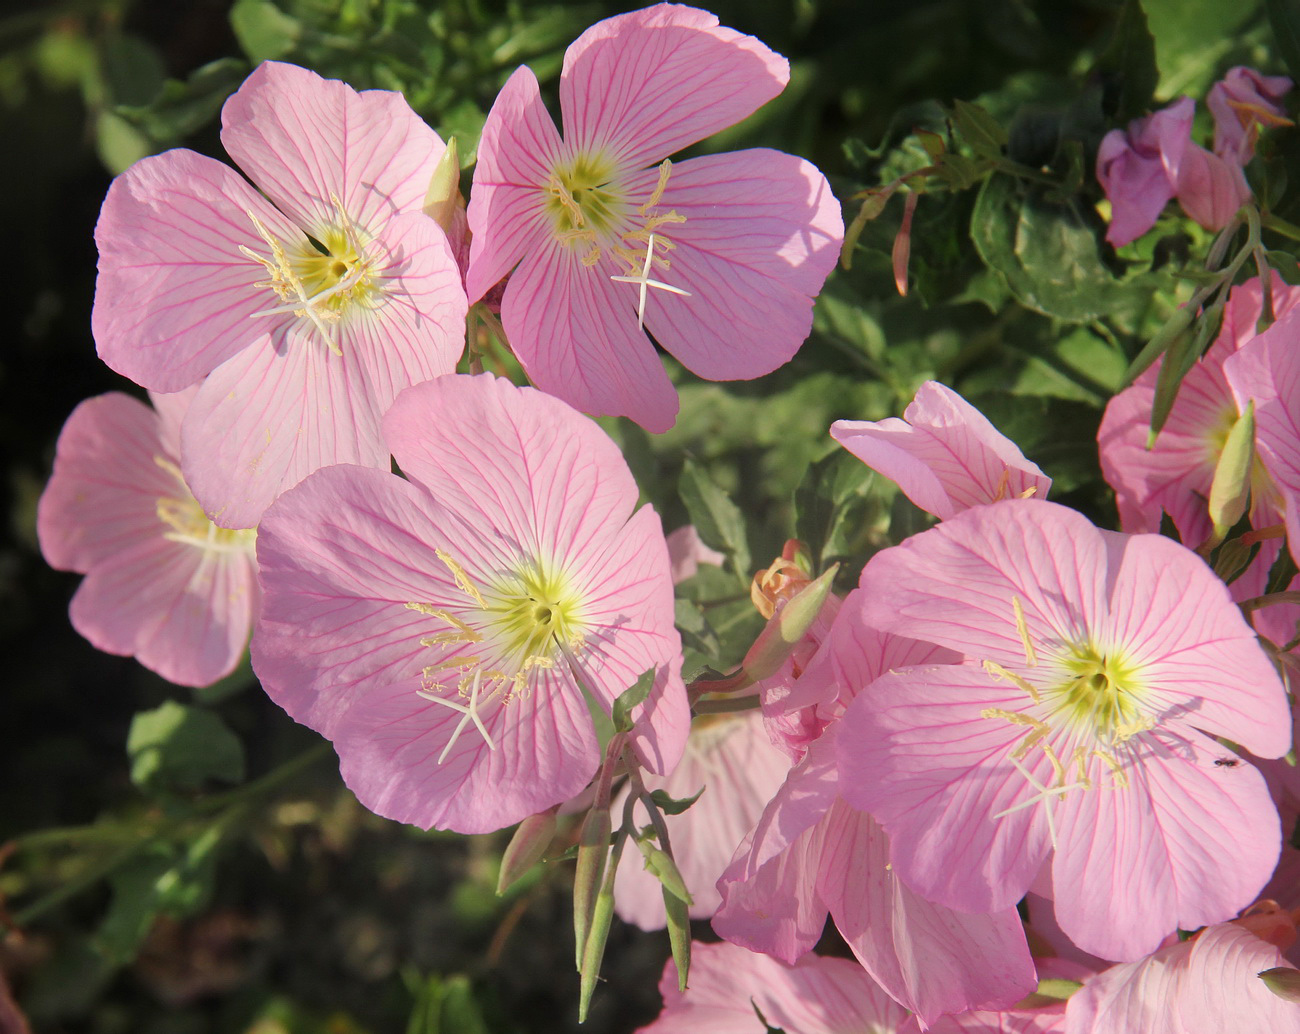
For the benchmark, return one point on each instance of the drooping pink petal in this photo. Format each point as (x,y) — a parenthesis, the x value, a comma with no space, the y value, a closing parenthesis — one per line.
(1134,169)
(1155,848)
(929,958)
(175,296)
(762,232)
(301,138)
(739,772)
(817,996)
(944,454)
(1209,188)
(390,738)
(574,332)
(516,154)
(1241,102)
(686,552)
(642,85)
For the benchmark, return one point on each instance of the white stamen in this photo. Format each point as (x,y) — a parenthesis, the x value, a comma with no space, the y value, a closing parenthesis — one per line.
(645,281)
(1045,794)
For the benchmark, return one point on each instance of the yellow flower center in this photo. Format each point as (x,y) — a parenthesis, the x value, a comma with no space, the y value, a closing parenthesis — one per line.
(189,524)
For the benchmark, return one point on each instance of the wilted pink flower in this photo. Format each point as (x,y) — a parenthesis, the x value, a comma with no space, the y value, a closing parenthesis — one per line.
(944,454)
(1207,985)
(1241,102)
(1174,475)
(731,988)
(812,854)
(444,631)
(1077,731)
(1155,160)
(162,582)
(310,310)
(730,758)
(732,246)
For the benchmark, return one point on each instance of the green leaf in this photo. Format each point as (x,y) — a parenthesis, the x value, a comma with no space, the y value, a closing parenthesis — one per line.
(1128,65)
(120,144)
(1193,40)
(717,519)
(1284,18)
(631,698)
(673,805)
(446,1005)
(696,632)
(830,505)
(982,132)
(177,747)
(265,32)
(1286,265)
(133,71)
(1044,251)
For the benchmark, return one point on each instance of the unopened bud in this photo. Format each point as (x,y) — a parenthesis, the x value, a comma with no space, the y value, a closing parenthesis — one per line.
(1284,982)
(1230,490)
(787,628)
(527,847)
(660,865)
(593,847)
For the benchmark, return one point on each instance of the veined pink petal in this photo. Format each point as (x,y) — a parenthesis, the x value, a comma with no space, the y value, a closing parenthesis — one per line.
(1241,102)
(1186,843)
(175,295)
(102,498)
(575,333)
(301,138)
(642,85)
(1209,188)
(739,771)
(1138,996)
(762,232)
(552,479)
(944,454)
(267,418)
(340,556)
(929,958)
(417,332)
(954,584)
(817,996)
(1222,985)
(390,738)
(517,152)
(919,754)
(1203,663)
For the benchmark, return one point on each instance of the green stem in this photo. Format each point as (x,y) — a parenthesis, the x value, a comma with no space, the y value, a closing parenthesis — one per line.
(727,705)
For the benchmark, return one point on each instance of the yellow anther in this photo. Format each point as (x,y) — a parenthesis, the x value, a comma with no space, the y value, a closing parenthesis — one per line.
(1023,628)
(1121,778)
(1029,492)
(999,672)
(462,579)
(665,167)
(566,200)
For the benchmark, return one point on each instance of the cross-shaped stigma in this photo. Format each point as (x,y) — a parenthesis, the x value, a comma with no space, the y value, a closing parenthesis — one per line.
(469,712)
(644,281)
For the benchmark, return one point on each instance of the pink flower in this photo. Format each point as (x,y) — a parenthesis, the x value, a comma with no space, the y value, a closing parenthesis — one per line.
(812,854)
(1207,985)
(1174,475)
(1241,102)
(732,246)
(1078,729)
(731,987)
(944,454)
(1141,170)
(310,310)
(730,758)
(1267,372)
(686,552)
(444,631)
(162,582)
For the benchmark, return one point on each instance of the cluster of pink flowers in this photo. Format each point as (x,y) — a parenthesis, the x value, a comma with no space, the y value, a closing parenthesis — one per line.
(1013,705)
(1155,160)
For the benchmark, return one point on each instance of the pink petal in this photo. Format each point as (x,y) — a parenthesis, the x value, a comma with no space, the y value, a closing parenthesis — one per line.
(390,738)
(575,333)
(642,85)
(1187,843)
(1209,188)
(1135,184)
(102,498)
(267,418)
(918,754)
(516,153)
(762,232)
(686,552)
(180,611)
(928,958)
(301,138)
(1222,985)
(175,295)
(1140,996)
(944,454)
